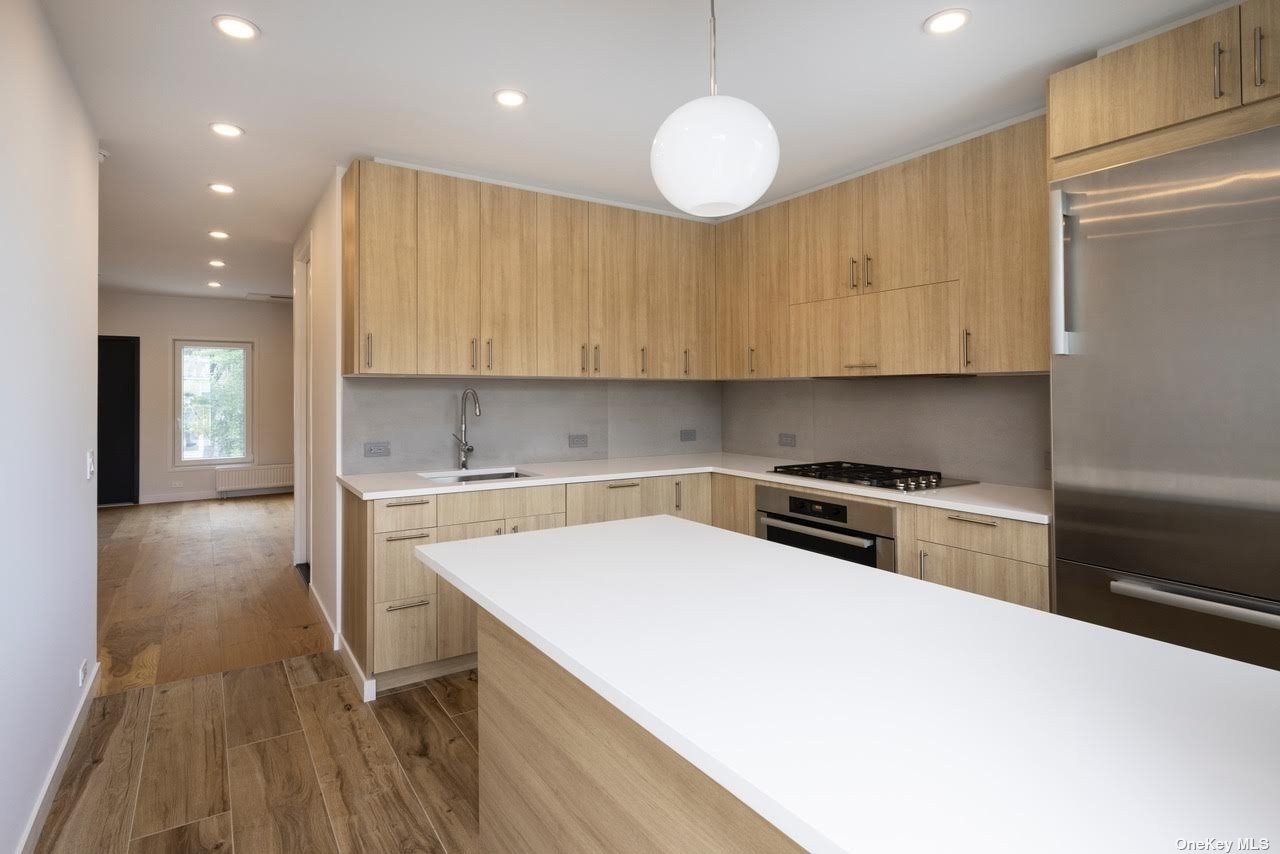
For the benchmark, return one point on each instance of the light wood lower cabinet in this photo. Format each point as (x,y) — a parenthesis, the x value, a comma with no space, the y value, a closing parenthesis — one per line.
(457,612)
(686,496)
(733,503)
(397,573)
(987,575)
(524,524)
(404,633)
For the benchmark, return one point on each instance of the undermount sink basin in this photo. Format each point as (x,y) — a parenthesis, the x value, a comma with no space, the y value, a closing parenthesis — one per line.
(463,476)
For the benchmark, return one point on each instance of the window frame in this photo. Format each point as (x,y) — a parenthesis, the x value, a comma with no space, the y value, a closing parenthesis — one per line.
(176,392)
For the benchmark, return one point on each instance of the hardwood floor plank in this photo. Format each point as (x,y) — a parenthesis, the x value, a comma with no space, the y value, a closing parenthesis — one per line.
(259,704)
(316,667)
(276,799)
(469,723)
(369,798)
(93,807)
(206,836)
(130,654)
(184,775)
(456,692)
(190,644)
(442,765)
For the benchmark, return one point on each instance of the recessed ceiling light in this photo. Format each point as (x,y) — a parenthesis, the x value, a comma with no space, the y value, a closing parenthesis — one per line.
(510,97)
(237,28)
(226,129)
(215,284)
(216,263)
(946,21)
(219,235)
(222,188)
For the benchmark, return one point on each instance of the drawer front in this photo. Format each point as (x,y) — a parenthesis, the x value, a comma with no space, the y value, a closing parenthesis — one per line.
(460,508)
(533,501)
(1024,541)
(404,514)
(470,531)
(535,523)
(404,633)
(397,574)
(605,501)
(998,577)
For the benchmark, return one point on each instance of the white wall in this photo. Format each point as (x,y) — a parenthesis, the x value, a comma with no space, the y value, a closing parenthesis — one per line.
(48,327)
(324,231)
(160,320)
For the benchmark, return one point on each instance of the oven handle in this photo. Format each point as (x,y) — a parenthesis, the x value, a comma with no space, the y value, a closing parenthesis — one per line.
(860,542)
(1192,603)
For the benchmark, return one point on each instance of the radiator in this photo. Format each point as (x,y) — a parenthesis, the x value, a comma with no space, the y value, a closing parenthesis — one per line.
(236,478)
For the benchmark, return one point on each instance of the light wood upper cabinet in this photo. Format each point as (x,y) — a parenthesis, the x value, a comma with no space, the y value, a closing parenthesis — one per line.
(1182,74)
(733,299)
(508,280)
(912,224)
(379,267)
(1006,285)
(835,338)
(769,291)
(918,330)
(826,254)
(448,334)
(563,293)
(1260,32)
(618,305)
(675,267)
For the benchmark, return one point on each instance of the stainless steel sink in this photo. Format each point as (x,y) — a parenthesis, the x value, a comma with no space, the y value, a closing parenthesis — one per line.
(471,477)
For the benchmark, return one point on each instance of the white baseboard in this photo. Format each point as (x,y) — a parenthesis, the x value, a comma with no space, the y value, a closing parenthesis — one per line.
(333,629)
(54,778)
(367,687)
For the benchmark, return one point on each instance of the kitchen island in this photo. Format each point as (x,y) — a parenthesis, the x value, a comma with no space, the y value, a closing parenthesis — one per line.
(710,691)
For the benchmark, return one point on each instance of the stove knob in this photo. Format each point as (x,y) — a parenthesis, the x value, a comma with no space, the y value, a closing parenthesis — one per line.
(901,486)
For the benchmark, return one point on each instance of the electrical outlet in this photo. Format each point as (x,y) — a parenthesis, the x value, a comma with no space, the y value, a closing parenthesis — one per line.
(577,440)
(787,440)
(176,484)
(688,435)
(84,671)
(377,449)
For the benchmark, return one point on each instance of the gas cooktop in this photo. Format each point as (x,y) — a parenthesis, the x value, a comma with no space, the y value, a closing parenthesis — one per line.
(865,474)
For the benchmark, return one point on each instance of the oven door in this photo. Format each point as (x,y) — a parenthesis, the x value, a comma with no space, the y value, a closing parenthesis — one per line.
(866,549)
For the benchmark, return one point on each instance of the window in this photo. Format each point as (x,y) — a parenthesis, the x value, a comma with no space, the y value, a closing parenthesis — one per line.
(212,399)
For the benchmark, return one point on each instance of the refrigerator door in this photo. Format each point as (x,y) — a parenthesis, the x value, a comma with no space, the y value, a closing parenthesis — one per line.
(1166,407)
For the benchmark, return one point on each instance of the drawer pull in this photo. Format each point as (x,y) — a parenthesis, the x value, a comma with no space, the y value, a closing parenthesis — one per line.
(623,485)
(401,607)
(408,503)
(975,521)
(409,537)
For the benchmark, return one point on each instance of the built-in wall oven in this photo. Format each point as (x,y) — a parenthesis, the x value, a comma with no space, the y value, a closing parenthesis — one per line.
(844,528)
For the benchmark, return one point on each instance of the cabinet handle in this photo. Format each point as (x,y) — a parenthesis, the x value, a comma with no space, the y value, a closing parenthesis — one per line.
(644,360)
(409,537)
(368,349)
(924,555)
(964,345)
(1257,57)
(408,503)
(597,358)
(864,365)
(853,274)
(1217,70)
(975,521)
(497,530)
(686,363)
(866,271)
(408,605)
(624,485)
(584,358)
(751,360)
(515,529)
(490,359)
(677,495)
(475,353)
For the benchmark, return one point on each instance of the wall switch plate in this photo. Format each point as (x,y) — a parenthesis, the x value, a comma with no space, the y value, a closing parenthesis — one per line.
(84,671)
(90,467)
(787,440)
(175,484)
(688,435)
(577,440)
(377,449)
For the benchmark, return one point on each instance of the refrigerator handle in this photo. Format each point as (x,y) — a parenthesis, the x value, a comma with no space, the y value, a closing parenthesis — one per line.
(1057,276)
(1192,603)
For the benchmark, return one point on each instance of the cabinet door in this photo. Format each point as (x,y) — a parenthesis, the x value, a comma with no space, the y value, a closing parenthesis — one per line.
(563,300)
(456,612)
(508,277)
(768,275)
(733,297)
(911,223)
(675,266)
(535,523)
(687,496)
(987,575)
(448,275)
(835,338)
(387,268)
(604,501)
(1006,284)
(1178,75)
(918,329)
(733,503)
(826,243)
(397,573)
(617,303)
(404,633)
(1260,29)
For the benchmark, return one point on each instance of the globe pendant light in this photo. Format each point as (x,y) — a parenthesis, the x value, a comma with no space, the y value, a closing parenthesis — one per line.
(715,155)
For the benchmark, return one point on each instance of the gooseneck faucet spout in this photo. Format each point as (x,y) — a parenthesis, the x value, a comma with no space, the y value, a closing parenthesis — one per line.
(465,450)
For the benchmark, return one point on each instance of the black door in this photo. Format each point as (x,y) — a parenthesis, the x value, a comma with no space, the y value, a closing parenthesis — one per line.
(117,420)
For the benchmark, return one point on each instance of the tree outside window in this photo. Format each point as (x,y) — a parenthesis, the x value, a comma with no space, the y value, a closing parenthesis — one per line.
(213,402)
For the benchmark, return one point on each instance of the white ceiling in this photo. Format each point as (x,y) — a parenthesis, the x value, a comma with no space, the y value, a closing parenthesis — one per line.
(848,85)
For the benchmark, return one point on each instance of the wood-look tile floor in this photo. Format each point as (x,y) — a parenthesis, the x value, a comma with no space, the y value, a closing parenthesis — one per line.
(198,587)
(278,757)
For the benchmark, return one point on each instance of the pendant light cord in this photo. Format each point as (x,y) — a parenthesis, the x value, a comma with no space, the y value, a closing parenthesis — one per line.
(714,89)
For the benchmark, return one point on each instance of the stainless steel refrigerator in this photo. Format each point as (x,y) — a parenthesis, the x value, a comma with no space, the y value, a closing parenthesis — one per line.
(1166,397)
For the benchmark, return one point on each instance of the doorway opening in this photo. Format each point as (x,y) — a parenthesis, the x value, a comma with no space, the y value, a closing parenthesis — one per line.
(118,414)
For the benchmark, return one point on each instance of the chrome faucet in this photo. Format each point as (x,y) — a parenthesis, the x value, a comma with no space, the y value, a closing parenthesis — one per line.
(464,450)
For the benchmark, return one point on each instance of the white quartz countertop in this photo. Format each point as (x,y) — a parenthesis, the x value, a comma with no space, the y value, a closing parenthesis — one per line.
(993,499)
(860,710)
